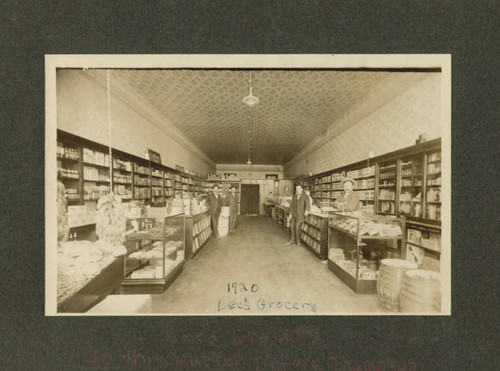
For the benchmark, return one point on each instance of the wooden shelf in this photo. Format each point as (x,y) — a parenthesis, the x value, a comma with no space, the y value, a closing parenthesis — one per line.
(96,165)
(423,247)
(67,159)
(97,181)
(122,170)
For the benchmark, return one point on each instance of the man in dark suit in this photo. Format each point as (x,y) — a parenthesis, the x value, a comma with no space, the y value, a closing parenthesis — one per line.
(232,202)
(299,209)
(214,203)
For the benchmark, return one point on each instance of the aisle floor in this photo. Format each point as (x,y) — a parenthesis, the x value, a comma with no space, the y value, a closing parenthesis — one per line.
(285,279)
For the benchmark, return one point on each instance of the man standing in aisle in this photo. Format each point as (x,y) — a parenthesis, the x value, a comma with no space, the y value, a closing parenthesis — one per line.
(299,209)
(232,202)
(214,203)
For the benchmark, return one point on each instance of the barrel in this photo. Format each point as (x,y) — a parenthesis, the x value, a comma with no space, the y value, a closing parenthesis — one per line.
(421,292)
(389,282)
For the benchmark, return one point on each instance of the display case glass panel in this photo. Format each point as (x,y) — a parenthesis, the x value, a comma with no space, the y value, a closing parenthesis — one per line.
(357,243)
(155,248)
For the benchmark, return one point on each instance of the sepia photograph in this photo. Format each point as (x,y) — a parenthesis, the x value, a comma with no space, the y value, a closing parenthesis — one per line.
(248,185)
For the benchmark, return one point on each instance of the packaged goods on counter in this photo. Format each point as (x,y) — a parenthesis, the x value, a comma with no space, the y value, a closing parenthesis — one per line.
(368,227)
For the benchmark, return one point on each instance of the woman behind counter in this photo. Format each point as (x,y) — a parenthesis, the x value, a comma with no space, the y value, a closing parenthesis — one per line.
(348,200)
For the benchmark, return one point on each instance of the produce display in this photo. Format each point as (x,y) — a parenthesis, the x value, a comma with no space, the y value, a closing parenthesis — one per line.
(62,219)
(110,219)
(78,262)
(367,227)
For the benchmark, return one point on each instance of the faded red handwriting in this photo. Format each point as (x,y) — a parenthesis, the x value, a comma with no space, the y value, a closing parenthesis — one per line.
(133,359)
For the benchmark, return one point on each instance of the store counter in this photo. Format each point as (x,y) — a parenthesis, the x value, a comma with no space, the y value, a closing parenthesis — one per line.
(268,208)
(282,214)
(95,290)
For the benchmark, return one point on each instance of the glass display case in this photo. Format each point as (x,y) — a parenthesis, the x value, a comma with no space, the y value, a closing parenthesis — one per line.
(356,244)
(155,253)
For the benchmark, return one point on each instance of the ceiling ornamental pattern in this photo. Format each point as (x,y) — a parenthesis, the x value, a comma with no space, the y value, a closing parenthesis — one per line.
(295,107)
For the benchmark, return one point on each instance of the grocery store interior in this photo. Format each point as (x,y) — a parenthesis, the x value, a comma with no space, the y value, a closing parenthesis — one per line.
(249,191)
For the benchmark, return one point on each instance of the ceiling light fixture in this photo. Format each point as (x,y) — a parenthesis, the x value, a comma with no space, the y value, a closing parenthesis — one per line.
(250,99)
(249,162)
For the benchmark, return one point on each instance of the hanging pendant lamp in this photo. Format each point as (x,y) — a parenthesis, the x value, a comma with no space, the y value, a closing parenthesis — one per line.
(250,100)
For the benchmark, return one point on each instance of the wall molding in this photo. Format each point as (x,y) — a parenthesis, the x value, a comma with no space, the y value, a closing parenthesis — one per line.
(246,168)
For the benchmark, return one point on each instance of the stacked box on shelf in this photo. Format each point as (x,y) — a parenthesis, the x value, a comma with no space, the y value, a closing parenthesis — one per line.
(95,157)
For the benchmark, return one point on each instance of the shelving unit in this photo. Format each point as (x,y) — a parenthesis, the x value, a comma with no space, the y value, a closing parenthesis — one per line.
(122,175)
(141,181)
(156,254)
(198,232)
(314,234)
(387,195)
(83,167)
(69,169)
(168,184)
(327,188)
(433,186)
(157,185)
(95,173)
(365,186)
(423,245)
(410,186)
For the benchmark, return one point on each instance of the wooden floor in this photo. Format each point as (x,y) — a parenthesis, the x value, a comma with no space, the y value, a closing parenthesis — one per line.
(271,278)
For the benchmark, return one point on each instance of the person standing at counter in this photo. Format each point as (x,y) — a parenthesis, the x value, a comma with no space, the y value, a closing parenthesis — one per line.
(299,209)
(214,203)
(348,200)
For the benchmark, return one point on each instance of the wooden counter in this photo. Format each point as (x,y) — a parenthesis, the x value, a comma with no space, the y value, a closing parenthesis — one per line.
(95,290)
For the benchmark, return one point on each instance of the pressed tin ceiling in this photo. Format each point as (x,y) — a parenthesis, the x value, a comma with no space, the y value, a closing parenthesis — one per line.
(296,106)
